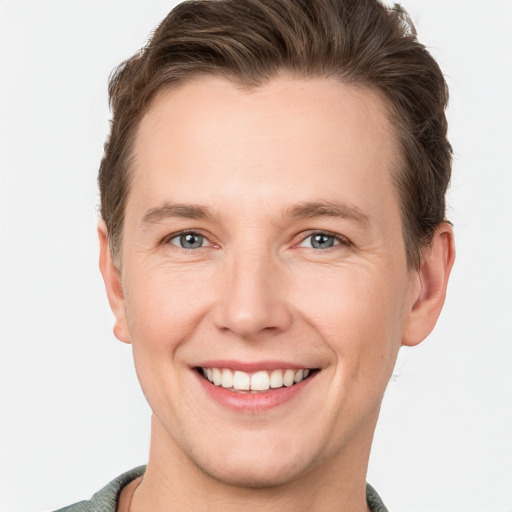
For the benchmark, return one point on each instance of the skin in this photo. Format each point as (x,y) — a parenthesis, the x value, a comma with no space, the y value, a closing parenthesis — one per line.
(258,290)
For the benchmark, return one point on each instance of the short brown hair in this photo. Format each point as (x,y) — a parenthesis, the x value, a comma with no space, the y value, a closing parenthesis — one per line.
(250,41)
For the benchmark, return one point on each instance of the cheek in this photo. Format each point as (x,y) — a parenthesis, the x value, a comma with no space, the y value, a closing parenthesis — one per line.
(359,314)
(163,307)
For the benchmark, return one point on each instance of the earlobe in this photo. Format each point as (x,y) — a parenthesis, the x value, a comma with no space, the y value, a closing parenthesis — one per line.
(112,279)
(433,275)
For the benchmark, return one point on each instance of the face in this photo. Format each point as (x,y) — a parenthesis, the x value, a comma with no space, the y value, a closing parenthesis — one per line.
(264,283)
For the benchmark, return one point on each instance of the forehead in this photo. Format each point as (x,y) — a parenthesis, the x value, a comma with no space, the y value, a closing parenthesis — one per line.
(288,140)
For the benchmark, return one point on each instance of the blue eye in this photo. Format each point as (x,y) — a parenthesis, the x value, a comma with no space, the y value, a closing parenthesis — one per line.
(320,241)
(188,241)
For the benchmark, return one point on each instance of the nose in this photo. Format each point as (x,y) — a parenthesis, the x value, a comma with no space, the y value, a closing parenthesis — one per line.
(253,299)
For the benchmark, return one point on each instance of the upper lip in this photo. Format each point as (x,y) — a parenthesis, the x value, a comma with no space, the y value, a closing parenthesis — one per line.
(252,366)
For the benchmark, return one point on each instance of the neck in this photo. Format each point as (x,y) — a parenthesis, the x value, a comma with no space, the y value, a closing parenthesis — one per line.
(173,482)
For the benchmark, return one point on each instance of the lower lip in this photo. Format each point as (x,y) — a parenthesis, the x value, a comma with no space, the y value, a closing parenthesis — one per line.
(252,402)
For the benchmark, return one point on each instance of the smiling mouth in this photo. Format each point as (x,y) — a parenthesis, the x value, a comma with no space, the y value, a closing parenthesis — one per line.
(256,382)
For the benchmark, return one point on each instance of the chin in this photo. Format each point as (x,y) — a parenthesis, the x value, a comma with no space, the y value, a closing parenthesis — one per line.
(259,459)
(253,473)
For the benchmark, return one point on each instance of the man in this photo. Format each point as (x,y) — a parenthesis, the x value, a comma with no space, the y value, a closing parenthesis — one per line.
(273,230)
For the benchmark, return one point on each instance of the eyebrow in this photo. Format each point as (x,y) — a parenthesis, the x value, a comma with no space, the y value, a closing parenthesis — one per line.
(174,210)
(334,209)
(303,210)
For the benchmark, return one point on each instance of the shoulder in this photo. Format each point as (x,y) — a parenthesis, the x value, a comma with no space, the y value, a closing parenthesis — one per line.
(106,499)
(374,501)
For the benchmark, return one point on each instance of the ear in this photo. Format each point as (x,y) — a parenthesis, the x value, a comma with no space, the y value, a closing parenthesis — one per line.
(112,278)
(432,281)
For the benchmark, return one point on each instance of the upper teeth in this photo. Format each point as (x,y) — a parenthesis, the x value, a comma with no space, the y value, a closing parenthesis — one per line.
(258,381)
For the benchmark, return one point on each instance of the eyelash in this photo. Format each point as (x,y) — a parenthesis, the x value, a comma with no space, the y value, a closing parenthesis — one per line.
(341,240)
(169,238)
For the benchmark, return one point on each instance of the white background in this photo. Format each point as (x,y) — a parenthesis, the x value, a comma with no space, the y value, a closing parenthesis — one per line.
(72,416)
